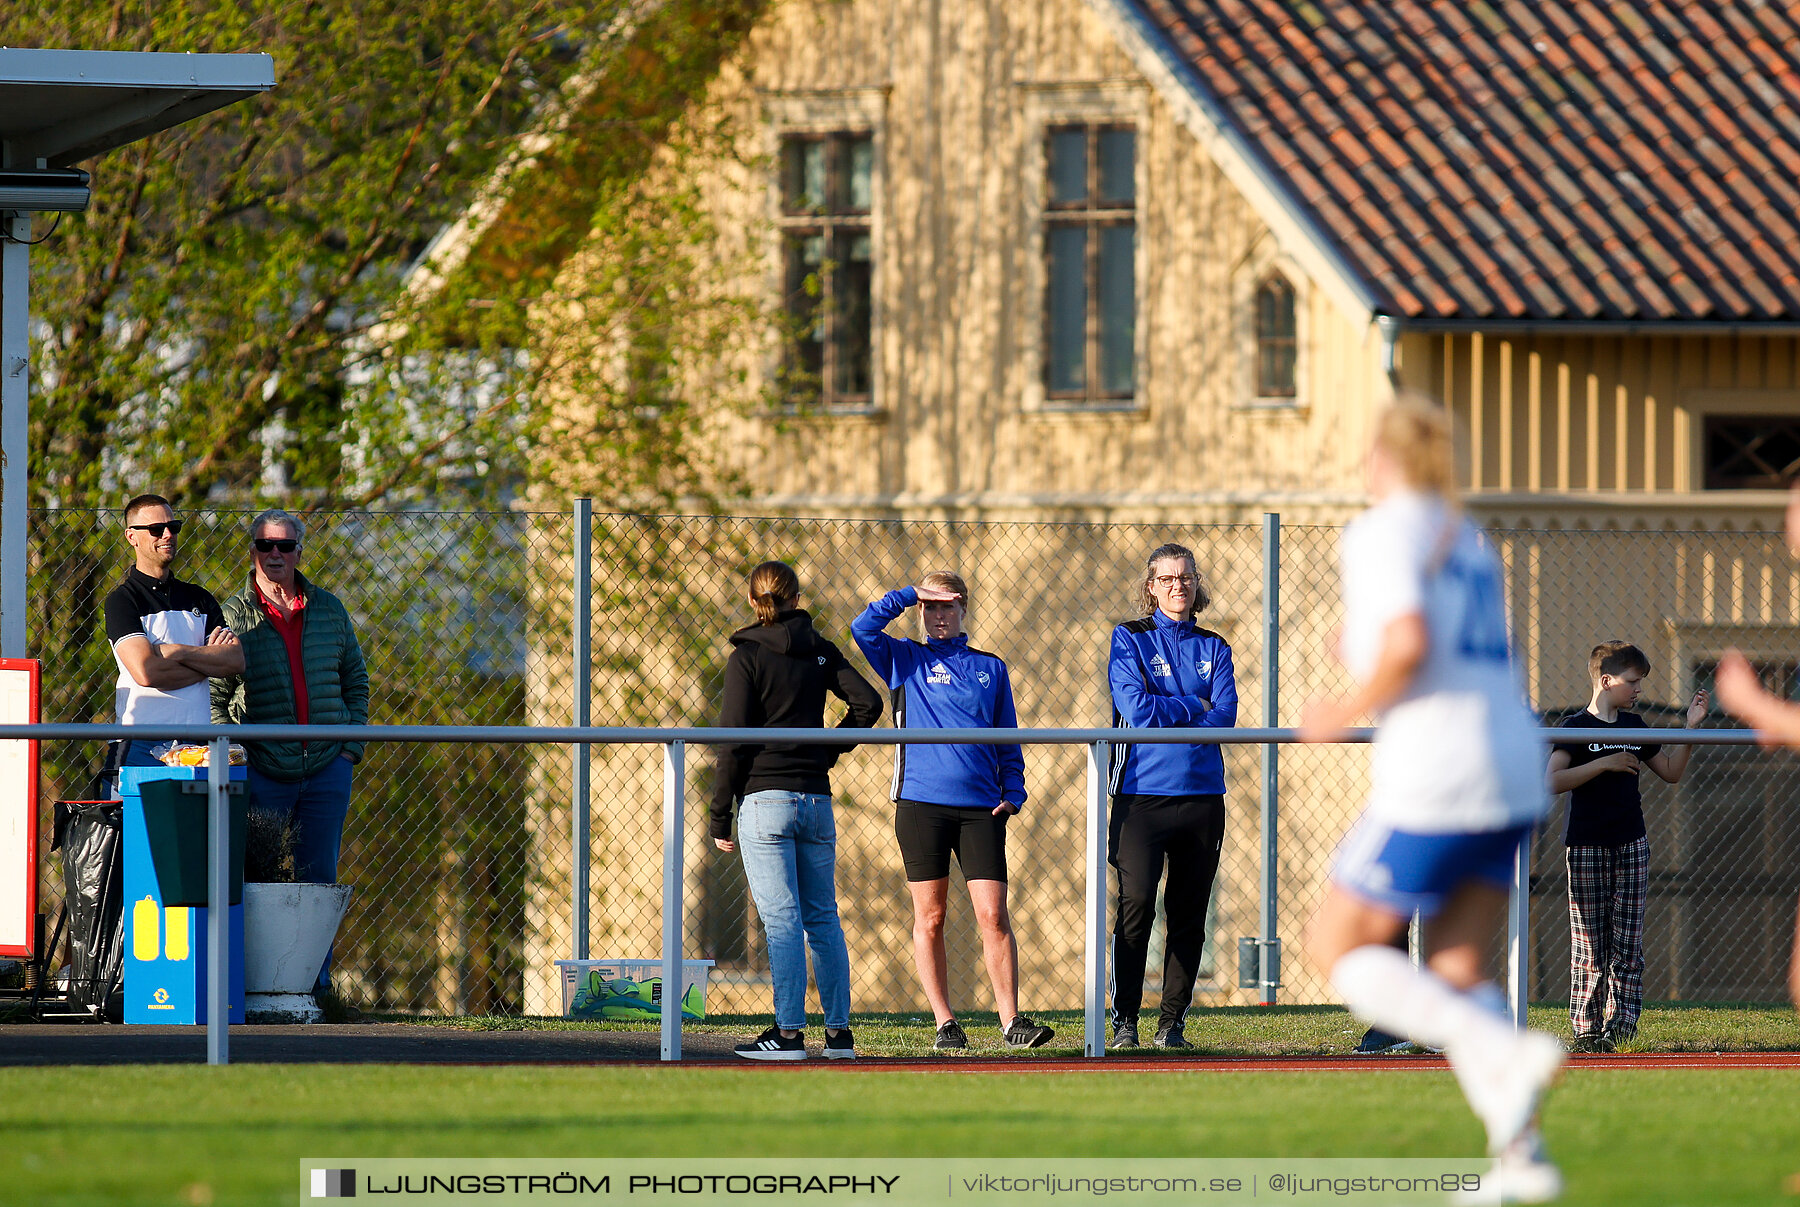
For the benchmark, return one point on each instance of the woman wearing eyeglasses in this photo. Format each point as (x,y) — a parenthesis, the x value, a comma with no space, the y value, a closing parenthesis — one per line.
(1168,801)
(302,666)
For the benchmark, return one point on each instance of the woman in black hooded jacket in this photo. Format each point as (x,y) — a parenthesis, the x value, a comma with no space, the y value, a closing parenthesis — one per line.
(778,676)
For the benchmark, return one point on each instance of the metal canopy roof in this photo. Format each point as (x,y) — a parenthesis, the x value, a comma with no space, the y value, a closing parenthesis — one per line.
(64,106)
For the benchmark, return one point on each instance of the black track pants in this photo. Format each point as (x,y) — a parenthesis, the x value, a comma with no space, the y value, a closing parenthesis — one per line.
(1144,832)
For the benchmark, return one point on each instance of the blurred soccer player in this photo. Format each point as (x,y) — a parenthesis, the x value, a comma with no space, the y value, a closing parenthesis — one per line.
(1776,721)
(1457,786)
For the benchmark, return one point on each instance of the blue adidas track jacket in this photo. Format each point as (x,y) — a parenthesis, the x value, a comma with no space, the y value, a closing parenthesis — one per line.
(1172,674)
(943,685)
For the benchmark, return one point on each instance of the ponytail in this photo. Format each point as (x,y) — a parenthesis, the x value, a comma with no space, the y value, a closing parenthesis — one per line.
(774,588)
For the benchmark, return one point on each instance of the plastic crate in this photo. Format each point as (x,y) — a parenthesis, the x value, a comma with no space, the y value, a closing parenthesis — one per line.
(629,989)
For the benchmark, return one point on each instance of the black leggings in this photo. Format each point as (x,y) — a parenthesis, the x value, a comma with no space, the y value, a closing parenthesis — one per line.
(1187,831)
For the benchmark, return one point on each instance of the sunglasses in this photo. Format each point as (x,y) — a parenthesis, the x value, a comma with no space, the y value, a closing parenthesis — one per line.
(264,545)
(156,530)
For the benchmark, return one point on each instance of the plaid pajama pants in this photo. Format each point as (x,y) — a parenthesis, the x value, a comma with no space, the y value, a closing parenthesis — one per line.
(1607,890)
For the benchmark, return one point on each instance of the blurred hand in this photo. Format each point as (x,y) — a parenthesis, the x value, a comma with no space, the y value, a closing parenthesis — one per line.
(725,844)
(1697,708)
(937,594)
(1740,691)
(222,636)
(1324,720)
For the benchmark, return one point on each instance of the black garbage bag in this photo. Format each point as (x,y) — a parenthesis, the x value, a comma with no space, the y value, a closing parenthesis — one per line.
(91,834)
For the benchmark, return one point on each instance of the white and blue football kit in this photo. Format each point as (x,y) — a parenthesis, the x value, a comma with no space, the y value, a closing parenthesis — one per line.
(1458,768)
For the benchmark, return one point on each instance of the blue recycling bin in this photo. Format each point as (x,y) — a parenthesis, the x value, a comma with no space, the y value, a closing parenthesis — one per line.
(166,946)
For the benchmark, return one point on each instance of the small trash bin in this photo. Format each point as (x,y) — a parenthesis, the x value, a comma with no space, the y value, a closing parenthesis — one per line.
(88,834)
(175,823)
(168,946)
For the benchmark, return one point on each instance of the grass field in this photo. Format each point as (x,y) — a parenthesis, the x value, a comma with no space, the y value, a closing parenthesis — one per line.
(196,1135)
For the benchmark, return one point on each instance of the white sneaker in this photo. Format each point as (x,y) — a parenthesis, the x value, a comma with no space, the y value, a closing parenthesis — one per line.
(1521,1174)
(1516,1083)
(1504,1073)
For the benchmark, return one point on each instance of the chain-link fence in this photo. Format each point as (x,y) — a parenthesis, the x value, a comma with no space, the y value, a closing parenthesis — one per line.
(438,841)
(461,856)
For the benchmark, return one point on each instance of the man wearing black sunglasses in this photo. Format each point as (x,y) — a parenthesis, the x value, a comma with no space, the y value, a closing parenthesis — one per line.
(302,666)
(168,636)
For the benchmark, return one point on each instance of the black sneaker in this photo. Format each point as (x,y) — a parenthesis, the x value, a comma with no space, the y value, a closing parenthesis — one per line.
(1620,1034)
(1169,1036)
(841,1046)
(950,1035)
(1589,1044)
(773,1045)
(1376,1042)
(1125,1033)
(1025,1033)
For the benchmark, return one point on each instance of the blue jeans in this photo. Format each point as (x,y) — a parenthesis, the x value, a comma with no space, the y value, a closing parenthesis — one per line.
(315,807)
(789,844)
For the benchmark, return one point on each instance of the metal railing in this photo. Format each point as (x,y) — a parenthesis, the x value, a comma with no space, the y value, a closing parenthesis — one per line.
(517,618)
(675,741)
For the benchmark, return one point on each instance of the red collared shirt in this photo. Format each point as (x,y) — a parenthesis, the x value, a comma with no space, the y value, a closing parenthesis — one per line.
(289,624)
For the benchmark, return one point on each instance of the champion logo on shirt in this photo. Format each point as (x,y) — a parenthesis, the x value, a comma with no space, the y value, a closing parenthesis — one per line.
(1160,666)
(937,673)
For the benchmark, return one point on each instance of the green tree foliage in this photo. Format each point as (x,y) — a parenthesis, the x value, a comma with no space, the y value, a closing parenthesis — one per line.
(205,327)
(256,307)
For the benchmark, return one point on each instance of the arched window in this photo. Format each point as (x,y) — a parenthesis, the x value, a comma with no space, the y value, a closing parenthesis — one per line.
(1276,344)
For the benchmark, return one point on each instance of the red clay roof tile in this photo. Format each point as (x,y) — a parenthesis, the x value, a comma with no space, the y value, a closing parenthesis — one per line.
(1510,159)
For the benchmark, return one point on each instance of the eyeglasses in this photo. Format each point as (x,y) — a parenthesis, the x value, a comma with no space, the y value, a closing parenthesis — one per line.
(1169,582)
(264,545)
(156,530)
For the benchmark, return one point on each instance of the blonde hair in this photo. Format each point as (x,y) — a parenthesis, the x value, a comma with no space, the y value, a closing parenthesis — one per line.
(947,580)
(774,588)
(1417,433)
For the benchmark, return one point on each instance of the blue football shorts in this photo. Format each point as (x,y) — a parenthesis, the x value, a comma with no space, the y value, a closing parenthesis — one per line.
(1403,871)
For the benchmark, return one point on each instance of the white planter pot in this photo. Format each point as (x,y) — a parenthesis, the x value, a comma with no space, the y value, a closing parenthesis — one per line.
(288,929)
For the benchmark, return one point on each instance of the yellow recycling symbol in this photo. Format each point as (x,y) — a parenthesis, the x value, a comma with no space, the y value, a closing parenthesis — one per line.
(161,995)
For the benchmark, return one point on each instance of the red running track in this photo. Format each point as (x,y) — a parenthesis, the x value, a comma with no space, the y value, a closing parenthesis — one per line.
(1254,1064)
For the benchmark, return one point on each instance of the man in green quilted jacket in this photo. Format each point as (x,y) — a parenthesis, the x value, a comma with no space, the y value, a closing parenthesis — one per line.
(302,666)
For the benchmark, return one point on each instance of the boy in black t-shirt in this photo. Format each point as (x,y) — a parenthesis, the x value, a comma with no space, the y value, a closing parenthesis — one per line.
(1608,854)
